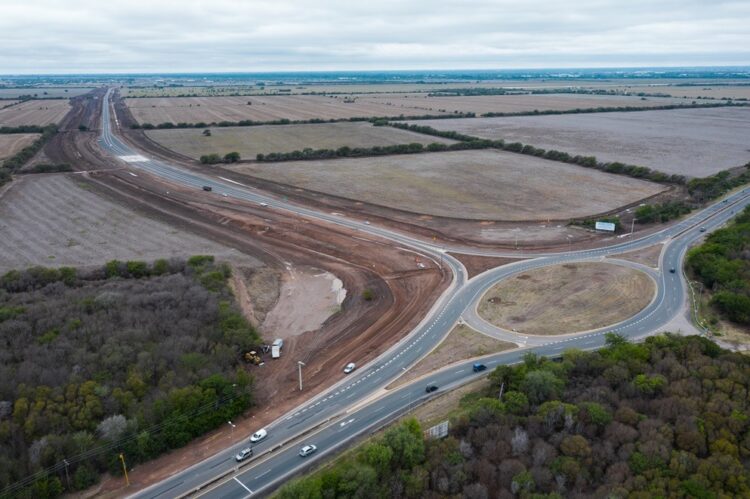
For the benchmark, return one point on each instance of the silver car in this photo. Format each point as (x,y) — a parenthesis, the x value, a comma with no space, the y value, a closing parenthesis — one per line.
(244,454)
(307,450)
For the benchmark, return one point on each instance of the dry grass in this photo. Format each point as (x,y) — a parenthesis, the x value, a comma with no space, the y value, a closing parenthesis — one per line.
(262,108)
(462,343)
(34,112)
(507,103)
(692,92)
(10,144)
(484,184)
(52,221)
(692,142)
(568,298)
(646,256)
(250,141)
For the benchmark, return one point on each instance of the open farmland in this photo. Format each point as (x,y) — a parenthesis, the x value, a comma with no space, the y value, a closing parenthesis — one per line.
(567,298)
(8,103)
(485,184)
(51,220)
(262,108)
(44,92)
(10,144)
(693,91)
(691,142)
(250,141)
(34,112)
(407,103)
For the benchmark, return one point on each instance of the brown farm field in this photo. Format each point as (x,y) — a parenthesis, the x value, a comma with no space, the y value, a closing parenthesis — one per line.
(44,92)
(10,144)
(693,91)
(52,220)
(691,142)
(34,112)
(250,141)
(407,103)
(8,103)
(262,108)
(483,184)
(568,298)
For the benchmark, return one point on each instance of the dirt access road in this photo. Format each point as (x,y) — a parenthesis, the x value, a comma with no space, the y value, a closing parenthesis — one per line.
(360,331)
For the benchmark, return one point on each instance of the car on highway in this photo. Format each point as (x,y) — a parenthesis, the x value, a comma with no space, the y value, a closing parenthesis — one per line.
(243,454)
(351,366)
(431,388)
(703,229)
(264,204)
(367,222)
(207,188)
(672,270)
(259,435)
(307,450)
(478,367)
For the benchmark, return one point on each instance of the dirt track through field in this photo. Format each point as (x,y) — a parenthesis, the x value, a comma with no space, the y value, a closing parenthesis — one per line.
(567,298)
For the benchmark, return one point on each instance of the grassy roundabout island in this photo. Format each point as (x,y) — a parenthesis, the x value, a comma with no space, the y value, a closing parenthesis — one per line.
(568,298)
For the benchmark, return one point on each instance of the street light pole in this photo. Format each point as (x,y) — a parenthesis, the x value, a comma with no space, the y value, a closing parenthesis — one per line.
(231,436)
(125,469)
(299,368)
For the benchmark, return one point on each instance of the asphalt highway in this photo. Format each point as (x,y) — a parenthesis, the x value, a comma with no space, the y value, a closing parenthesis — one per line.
(327,420)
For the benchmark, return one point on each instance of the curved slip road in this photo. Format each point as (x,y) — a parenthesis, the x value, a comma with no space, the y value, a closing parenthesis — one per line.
(325,419)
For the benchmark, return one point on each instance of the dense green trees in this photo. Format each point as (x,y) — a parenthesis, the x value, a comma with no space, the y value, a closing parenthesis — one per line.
(666,418)
(132,357)
(722,264)
(662,212)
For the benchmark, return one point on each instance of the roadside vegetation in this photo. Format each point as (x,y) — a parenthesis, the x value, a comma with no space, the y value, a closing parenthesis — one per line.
(131,358)
(16,162)
(658,419)
(214,158)
(722,265)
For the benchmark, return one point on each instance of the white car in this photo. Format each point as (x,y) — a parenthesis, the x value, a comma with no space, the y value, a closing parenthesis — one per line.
(351,366)
(243,454)
(307,450)
(264,204)
(259,435)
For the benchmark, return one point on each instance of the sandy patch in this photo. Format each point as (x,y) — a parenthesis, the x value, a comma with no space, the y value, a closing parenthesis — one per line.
(307,298)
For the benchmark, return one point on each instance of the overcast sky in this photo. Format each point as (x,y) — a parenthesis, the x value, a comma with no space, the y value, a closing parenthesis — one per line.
(68,36)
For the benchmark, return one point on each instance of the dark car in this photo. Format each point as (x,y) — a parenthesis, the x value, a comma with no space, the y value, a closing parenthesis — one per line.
(703,229)
(672,271)
(477,367)
(431,388)
(207,188)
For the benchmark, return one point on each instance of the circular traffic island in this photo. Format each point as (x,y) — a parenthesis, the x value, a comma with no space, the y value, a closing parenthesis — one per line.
(568,298)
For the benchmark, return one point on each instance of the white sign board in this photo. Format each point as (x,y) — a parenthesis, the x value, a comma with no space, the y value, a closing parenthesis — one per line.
(608,226)
(438,431)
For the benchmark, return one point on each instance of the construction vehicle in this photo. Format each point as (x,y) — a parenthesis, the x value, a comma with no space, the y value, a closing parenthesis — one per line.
(253,358)
(276,347)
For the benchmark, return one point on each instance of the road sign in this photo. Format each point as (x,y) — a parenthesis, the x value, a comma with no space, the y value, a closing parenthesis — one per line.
(440,430)
(606,226)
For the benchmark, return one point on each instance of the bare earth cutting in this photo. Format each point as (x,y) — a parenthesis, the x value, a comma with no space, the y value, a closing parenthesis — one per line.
(34,112)
(251,141)
(483,184)
(567,298)
(50,220)
(691,142)
(461,343)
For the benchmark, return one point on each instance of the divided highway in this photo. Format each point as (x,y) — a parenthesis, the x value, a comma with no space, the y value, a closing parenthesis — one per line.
(327,420)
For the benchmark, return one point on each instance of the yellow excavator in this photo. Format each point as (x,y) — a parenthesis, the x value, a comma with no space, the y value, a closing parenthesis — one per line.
(252,357)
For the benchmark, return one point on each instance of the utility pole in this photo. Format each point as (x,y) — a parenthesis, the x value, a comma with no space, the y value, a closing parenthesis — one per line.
(125,470)
(67,477)
(233,426)
(632,225)
(299,367)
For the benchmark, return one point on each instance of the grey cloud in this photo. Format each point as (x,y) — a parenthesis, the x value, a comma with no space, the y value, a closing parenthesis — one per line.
(222,35)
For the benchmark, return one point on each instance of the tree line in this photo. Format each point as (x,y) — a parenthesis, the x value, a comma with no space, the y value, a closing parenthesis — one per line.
(131,357)
(16,162)
(722,264)
(611,109)
(665,418)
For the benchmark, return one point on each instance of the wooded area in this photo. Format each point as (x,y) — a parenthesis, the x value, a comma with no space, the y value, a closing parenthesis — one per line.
(132,357)
(722,264)
(666,418)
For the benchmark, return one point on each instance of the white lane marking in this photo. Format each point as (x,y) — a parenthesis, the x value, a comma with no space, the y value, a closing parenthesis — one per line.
(243,485)
(133,174)
(232,181)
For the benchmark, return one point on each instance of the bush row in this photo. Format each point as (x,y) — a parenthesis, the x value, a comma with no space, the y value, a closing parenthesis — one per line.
(213,158)
(609,109)
(552,154)
(15,162)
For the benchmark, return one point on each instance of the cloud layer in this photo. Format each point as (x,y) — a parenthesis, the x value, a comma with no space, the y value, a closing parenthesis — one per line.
(49,36)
